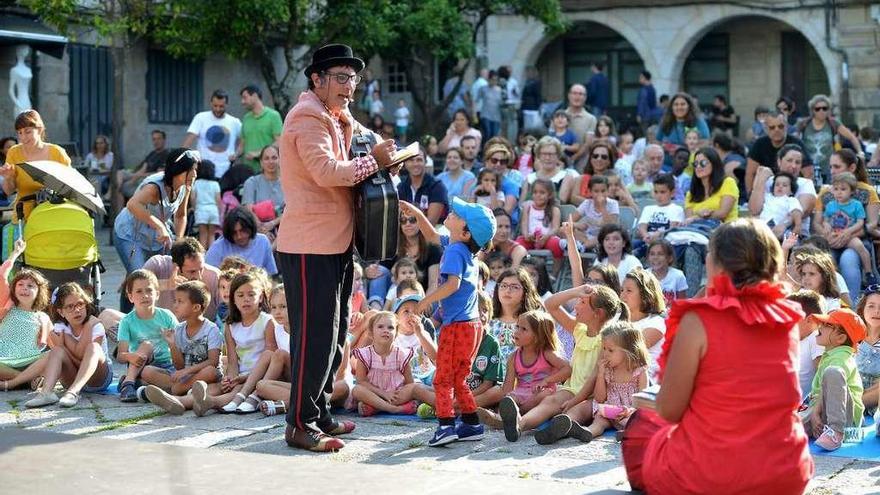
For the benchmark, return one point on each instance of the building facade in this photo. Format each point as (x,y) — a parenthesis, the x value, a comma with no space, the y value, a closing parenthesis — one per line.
(750,54)
(73,89)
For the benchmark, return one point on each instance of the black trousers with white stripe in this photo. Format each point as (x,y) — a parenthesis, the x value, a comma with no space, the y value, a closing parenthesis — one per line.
(318,290)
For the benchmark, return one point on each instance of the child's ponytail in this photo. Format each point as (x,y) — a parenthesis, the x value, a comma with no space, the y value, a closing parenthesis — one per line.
(607,300)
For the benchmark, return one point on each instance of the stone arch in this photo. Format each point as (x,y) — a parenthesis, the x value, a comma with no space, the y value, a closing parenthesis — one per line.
(534,43)
(801,21)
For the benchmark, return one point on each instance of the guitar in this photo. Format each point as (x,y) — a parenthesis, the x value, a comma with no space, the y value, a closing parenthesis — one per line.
(377,213)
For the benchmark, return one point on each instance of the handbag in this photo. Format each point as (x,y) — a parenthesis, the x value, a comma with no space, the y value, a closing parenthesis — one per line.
(264,210)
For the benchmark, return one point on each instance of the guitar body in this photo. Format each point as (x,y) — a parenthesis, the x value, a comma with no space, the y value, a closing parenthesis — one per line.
(377,212)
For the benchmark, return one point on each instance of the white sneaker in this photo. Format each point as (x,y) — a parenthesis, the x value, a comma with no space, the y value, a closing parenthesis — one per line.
(42,399)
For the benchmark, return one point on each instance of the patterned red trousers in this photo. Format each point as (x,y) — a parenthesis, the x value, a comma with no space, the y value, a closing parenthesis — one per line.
(455,355)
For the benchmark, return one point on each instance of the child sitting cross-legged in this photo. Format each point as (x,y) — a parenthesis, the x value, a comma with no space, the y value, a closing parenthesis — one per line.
(250,341)
(274,387)
(80,358)
(836,407)
(596,307)
(25,330)
(384,377)
(622,371)
(140,341)
(534,370)
(195,350)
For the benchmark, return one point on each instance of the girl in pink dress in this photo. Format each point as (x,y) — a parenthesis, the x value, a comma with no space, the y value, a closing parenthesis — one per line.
(726,419)
(384,376)
(623,369)
(534,369)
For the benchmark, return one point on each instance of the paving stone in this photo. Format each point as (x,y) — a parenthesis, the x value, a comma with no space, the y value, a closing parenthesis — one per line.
(211,438)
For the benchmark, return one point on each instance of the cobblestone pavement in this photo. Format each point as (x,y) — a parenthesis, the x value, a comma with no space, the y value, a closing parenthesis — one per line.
(385,441)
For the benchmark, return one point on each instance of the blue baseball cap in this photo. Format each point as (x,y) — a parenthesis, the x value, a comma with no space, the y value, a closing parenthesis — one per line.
(479,220)
(400,302)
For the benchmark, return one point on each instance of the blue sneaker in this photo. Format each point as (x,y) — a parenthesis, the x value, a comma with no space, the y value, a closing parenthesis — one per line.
(442,436)
(469,433)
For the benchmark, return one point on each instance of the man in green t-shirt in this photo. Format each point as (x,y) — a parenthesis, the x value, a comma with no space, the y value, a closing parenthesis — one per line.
(260,126)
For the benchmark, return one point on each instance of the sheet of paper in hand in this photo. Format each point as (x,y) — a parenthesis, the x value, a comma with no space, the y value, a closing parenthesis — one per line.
(647,398)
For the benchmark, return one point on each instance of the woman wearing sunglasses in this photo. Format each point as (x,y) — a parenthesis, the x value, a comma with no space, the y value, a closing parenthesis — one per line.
(819,132)
(600,158)
(410,244)
(713,196)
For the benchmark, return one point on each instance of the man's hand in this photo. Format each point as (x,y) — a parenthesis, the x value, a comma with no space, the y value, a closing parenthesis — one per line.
(383,152)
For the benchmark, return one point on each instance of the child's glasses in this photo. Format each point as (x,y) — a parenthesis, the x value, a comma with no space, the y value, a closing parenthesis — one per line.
(510,286)
(75,306)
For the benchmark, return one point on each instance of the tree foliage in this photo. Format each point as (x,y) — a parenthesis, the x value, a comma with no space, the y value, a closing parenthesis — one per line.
(415,33)
(447,30)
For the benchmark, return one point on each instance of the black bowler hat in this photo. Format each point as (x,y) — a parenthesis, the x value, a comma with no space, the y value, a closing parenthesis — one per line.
(332,55)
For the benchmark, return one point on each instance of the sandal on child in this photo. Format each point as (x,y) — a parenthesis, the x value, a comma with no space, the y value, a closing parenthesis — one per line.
(249,405)
(273,407)
(232,405)
(69,399)
(37,383)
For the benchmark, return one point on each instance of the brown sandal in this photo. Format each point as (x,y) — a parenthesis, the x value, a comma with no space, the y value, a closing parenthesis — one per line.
(37,383)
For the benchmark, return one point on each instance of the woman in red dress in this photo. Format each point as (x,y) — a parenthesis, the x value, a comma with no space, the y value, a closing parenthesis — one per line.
(726,417)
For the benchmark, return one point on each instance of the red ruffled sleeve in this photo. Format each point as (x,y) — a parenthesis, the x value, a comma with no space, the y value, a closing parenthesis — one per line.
(761,304)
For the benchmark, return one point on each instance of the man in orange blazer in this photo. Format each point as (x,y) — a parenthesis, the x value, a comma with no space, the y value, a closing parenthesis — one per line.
(316,236)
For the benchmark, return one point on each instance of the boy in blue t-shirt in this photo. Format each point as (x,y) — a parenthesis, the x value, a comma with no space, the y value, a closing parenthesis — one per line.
(471,228)
(846,215)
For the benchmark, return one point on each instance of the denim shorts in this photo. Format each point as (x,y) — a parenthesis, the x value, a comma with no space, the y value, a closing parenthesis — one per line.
(108,379)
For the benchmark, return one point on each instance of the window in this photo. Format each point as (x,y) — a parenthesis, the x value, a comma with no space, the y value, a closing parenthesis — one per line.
(707,69)
(396,78)
(91,94)
(174,88)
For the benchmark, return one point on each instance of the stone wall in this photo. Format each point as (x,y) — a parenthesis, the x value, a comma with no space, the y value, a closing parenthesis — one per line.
(219,73)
